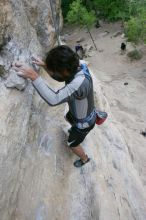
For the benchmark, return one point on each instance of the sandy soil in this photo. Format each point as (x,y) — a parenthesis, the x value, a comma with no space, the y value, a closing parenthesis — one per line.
(127,102)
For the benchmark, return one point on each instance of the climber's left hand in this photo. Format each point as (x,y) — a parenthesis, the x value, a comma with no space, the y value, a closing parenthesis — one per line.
(25,71)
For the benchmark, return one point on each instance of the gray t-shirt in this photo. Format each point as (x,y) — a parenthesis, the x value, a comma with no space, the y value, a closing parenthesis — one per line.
(78,94)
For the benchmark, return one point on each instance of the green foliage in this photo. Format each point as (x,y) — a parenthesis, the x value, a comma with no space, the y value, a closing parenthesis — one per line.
(135,28)
(132,12)
(136,6)
(65,7)
(112,10)
(79,14)
(132,29)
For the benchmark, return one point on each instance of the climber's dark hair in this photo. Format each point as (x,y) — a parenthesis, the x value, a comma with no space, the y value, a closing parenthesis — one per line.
(62,58)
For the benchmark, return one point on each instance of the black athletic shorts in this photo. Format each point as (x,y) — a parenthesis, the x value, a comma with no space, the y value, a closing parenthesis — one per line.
(76,135)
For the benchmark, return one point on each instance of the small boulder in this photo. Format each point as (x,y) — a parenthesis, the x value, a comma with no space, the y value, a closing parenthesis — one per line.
(135,54)
(88,50)
(104,34)
(81,39)
(117,33)
(123,36)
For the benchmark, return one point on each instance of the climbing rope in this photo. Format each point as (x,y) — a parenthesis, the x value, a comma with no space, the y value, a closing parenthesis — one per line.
(54,22)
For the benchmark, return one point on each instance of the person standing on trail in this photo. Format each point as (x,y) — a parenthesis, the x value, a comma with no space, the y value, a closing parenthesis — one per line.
(63,65)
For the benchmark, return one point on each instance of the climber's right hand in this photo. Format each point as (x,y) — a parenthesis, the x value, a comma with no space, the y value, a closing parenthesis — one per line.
(25,71)
(38,61)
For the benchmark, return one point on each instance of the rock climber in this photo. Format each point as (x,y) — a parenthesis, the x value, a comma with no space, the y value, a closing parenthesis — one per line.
(63,65)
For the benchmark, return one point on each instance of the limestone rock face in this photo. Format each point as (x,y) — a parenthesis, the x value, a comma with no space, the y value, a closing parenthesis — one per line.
(27,28)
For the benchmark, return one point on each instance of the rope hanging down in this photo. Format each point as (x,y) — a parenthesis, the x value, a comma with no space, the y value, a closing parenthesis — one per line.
(54,22)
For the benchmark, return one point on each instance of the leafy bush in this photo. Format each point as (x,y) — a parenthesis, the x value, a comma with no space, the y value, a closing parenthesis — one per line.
(65,7)
(112,10)
(135,28)
(135,55)
(79,14)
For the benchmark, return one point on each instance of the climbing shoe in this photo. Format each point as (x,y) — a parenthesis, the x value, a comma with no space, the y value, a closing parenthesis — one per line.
(80,163)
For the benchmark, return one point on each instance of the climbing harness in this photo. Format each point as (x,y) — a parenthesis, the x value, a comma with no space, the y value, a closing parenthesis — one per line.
(100,116)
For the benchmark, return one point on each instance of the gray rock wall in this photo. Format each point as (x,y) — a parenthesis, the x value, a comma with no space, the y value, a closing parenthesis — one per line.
(27,29)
